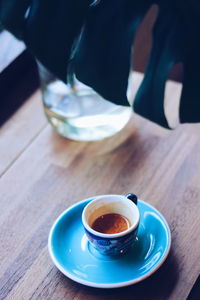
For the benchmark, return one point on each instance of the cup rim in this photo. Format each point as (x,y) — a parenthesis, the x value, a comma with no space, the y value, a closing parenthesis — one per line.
(113,235)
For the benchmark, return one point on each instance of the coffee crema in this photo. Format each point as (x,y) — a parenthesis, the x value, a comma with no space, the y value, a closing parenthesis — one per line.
(111,223)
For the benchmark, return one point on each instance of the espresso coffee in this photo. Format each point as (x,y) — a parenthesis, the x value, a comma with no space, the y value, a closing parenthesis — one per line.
(111,223)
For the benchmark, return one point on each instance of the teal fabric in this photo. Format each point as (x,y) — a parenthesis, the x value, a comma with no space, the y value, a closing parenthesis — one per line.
(95,43)
(165,52)
(12,15)
(103,56)
(52,28)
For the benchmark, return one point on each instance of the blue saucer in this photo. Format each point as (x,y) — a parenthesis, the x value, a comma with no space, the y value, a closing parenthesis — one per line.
(75,258)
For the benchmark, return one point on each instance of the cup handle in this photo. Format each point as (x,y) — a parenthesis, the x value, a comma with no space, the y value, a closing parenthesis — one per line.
(132,197)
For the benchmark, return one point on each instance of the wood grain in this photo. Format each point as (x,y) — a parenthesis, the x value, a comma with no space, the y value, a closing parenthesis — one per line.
(49,173)
(18,132)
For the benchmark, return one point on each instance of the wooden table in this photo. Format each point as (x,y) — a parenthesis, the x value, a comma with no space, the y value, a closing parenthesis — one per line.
(42,174)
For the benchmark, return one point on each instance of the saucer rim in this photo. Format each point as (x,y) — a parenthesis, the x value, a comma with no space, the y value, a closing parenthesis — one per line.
(106,285)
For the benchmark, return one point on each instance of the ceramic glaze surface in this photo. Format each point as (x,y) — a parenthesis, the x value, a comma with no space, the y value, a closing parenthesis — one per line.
(72,254)
(116,243)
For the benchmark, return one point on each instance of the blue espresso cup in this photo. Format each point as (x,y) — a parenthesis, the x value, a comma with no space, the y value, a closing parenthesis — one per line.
(115,243)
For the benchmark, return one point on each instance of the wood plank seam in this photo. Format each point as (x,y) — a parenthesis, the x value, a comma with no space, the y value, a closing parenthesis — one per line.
(23,150)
